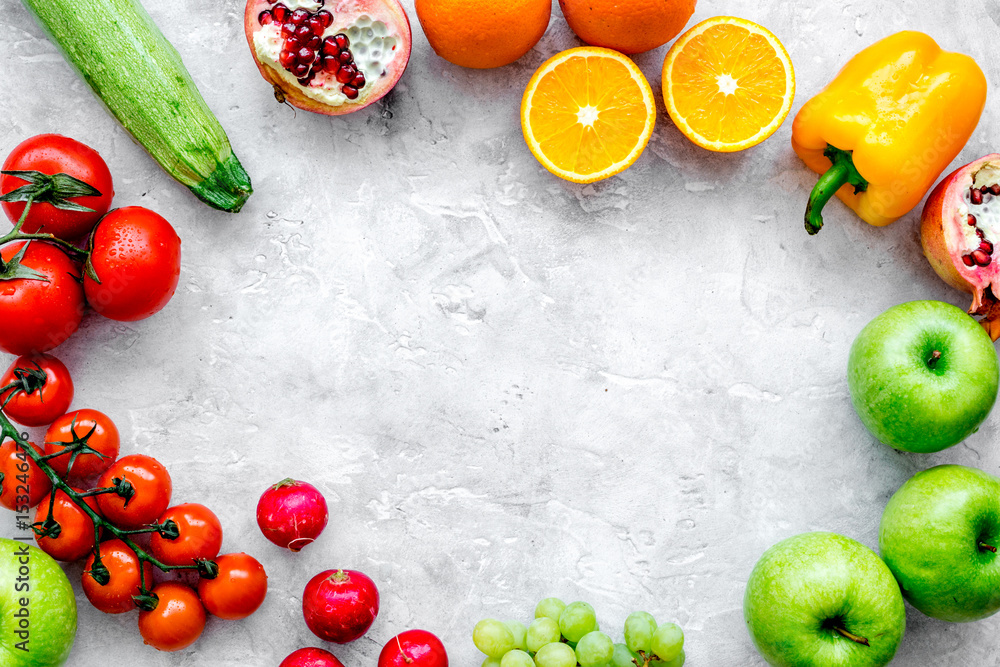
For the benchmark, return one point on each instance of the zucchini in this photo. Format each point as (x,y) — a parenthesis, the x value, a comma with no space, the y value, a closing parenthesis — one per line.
(137,73)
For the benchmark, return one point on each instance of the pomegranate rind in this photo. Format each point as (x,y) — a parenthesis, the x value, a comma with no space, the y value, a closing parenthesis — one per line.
(941,223)
(389,11)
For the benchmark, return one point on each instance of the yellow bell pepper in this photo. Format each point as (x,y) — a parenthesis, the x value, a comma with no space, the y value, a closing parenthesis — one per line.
(887,126)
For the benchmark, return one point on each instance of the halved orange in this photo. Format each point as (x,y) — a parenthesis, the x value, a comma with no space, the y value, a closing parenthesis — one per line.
(728,84)
(587,114)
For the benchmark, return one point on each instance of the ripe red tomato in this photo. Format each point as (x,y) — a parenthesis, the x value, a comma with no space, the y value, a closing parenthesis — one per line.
(177,621)
(200,535)
(76,529)
(100,433)
(153,489)
(54,154)
(115,597)
(413,648)
(24,484)
(311,657)
(136,254)
(38,315)
(238,591)
(43,405)
(340,605)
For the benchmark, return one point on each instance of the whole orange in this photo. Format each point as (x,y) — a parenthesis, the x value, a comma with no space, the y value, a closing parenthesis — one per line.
(483,33)
(629,26)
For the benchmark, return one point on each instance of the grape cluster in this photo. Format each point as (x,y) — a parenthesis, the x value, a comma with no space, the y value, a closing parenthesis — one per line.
(568,635)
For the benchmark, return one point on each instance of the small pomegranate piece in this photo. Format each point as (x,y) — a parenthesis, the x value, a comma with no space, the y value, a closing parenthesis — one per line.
(292,514)
(340,605)
(311,657)
(350,91)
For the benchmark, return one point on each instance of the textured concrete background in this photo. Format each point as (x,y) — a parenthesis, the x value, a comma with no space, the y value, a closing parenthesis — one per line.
(507,386)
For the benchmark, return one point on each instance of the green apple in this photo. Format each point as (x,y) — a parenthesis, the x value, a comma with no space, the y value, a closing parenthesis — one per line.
(923,376)
(37,608)
(939,536)
(823,600)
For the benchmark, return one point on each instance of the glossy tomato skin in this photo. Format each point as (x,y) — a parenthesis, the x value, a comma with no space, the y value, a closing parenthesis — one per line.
(136,254)
(413,648)
(104,439)
(200,535)
(115,597)
(238,590)
(311,657)
(153,489)
(178,620)
(24,484)
(76,529)
(340,605)
(53,154)
(40,407)
(38,315)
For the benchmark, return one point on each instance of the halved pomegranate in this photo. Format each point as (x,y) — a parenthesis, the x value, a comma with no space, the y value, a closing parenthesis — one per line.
(958,230)
(329,56)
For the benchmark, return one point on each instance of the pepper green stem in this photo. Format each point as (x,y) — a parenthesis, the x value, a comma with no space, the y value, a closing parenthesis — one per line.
(841,172)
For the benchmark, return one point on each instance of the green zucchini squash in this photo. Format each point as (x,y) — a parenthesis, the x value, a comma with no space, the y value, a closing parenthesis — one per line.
(131,66)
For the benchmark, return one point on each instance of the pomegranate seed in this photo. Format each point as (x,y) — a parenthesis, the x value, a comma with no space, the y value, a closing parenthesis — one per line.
(980,233)
(358,81)
(314,43)
(287,30)
(971,220)
(977,197)
(292,43)
(985,189)
(316,26)
(286,58)
(280,13)
(995,189)
(299,16)
(330,47)
(303,33)
(306,80)
(351,92)
(346,74)
(299,69)
(345,57)
(325,17)
(265,17)
(986,247)
(331,64)
(342,40)
(305,55)
(981,258)
(967,260)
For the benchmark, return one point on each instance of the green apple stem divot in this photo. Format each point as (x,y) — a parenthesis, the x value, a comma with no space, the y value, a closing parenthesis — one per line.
(987,547)
(207,569)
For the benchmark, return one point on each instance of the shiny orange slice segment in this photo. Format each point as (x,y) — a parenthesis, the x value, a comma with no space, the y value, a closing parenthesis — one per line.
(728,84)
(587,114)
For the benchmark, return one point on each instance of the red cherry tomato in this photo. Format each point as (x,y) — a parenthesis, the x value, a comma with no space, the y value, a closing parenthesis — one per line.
(76,529)
(153,489)
(38,315)
(311,657)
(115,597)
(41,405)
(136,254)
(340,605)
(100,434)
(177,621)
(238,590)
(24,484)
(413,648)
(54,154)
(200,535)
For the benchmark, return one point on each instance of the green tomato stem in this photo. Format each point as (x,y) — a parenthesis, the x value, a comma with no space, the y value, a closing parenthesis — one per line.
(16,235)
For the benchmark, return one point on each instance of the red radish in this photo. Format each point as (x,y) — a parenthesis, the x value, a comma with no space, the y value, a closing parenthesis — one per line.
(311,657)
(292,514)
(413,648)
(340,605)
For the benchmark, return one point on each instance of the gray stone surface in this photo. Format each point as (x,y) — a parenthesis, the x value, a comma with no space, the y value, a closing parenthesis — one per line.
(507,386)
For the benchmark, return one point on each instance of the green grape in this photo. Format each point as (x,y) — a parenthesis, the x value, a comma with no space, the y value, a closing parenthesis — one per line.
(576,620)
(639,629)
(517,658)
(622,657)
(555,654)
(542,631)
(493,638)
(676,662)
(491,662)
(551,608)
(594,649)
(518,630)
(668,640)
